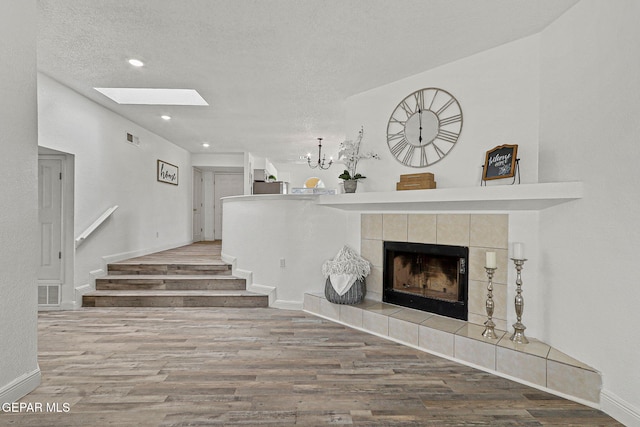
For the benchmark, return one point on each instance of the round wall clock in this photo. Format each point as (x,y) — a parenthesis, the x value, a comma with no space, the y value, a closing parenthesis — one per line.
(424,127)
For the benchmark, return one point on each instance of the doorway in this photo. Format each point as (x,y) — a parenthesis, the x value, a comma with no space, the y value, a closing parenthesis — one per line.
(50,221)
(197,205)
(224,185)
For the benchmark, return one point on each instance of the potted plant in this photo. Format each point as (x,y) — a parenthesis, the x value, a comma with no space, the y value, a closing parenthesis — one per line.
(350,154)
(350,182)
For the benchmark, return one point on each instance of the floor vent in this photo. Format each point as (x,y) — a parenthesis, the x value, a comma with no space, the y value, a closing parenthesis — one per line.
(48,294)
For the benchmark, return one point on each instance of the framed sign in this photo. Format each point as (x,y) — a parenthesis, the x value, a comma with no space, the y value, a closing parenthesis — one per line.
(500,162)
(167,173)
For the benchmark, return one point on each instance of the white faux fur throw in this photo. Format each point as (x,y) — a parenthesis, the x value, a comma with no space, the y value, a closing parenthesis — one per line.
(347,262)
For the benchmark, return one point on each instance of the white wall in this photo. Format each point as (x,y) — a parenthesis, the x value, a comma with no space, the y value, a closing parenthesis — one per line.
(108,172)
(589,131)
(261,230)
(498,92)
(218,160)
(19,372)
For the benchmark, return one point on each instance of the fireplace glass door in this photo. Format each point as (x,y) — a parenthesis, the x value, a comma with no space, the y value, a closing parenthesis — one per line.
(427,277)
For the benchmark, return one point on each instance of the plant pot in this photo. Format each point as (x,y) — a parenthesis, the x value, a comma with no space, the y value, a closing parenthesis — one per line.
(350,185)
(354,295)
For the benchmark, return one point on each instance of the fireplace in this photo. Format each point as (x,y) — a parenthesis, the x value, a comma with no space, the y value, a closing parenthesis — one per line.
(427,277)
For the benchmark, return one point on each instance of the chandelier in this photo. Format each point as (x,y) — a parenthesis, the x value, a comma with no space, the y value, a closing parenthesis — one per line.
(321,159)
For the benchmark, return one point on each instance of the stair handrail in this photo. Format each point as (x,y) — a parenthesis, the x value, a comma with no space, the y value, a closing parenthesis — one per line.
(82,237)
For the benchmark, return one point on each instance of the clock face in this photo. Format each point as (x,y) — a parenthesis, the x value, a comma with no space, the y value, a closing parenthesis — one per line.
(424,127)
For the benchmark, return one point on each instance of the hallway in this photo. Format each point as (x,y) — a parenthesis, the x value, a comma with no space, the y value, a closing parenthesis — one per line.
(262,366)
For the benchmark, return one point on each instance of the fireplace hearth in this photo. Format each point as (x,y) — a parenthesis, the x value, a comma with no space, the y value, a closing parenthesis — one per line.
(427,277)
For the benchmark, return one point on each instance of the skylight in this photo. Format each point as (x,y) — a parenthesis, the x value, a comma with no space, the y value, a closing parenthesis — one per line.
(145,96)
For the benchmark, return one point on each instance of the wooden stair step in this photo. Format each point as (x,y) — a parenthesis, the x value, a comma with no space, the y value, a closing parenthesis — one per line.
(170,282)
(169,269)
(188,298)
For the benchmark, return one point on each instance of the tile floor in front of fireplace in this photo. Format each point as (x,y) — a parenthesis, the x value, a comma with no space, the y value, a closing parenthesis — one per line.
(535,363)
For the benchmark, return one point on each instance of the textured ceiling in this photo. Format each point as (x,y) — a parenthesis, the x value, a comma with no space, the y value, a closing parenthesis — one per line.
(275,72)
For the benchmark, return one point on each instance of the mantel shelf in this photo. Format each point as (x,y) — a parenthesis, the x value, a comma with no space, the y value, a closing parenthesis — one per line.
(523,197)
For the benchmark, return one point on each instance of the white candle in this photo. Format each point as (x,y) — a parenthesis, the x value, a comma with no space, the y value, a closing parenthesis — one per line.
(491,260)
(518,251)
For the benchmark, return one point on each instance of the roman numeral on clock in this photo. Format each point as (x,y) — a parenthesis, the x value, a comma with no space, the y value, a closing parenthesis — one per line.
(395,136)
(407,108)
(423,156)
(419,98)
(399,147)
(448,136)
(449,120)
(445,106)
(438,151)
(409,155)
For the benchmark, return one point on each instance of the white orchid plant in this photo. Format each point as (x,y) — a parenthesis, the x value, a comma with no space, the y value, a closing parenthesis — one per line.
(349,153)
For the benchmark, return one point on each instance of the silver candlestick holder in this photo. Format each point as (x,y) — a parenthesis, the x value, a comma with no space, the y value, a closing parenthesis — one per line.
(518,327)
(489,325)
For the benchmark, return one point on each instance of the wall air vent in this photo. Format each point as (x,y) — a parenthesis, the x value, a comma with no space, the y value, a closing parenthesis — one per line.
(48,294)
(133,140)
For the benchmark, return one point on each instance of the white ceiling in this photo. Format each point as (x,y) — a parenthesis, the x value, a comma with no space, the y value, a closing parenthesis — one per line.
(275,72)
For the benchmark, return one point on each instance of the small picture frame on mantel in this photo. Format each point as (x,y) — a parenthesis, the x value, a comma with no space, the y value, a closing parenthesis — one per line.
(167,173)
(500,162)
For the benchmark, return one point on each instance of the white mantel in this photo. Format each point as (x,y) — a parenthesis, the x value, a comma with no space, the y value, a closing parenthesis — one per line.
(528,197)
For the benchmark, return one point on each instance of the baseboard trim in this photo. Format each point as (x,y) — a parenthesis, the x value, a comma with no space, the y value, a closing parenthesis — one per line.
(20,387)
(619,409)
(270,291)
(247,275)
(228,259)
(287,305)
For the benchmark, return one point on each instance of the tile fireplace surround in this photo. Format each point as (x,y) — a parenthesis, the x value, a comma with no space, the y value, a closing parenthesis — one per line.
(479,232)
(536,364)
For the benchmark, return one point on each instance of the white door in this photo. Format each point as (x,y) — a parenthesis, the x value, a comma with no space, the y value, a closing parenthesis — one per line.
(224,185)
(197,205)
(50,220)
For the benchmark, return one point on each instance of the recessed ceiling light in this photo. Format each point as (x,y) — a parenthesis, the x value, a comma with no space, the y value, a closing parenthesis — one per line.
(136,62)
(205,145)
(146,96)
(165,117)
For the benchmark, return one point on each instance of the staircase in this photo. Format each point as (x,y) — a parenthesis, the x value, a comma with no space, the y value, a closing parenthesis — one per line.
(189,276)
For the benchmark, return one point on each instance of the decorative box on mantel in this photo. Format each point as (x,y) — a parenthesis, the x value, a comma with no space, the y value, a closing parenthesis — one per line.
(416,181)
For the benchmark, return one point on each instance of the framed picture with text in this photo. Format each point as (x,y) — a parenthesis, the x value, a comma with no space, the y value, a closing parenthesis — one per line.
(167,173)
(500,162)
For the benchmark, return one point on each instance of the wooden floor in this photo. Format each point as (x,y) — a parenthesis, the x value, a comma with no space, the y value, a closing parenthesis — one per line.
(262,366)
(206,252)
